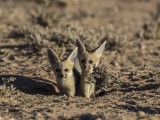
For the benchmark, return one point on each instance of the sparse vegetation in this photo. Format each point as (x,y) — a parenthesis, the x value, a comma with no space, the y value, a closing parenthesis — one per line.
(7,92)
(151,29)
(100,77)
(127,79)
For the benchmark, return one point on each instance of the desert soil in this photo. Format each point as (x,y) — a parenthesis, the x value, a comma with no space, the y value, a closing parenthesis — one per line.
(132,56)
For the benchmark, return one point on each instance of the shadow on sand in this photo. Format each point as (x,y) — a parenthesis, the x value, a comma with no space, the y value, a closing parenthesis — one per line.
(32,85)
(148,110)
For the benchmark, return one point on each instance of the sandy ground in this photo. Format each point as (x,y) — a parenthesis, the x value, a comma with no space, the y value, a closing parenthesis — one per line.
(132,56)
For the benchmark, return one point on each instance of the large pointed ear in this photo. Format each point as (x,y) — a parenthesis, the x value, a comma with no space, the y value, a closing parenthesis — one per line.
(52,57)
(73,55)
(81,47)
(100,49)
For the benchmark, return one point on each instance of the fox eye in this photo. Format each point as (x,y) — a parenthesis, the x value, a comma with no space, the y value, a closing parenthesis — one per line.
(90,61)
(57,70)
(66,70)
(82,61)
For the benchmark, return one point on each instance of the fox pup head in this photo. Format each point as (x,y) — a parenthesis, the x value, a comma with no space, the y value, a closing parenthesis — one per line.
(87,59)
(62,68)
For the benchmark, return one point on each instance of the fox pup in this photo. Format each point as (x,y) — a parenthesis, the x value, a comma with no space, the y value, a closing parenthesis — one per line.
(63,70)
(87,61)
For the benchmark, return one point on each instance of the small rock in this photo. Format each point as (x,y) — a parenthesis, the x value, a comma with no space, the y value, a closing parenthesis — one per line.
(11,57)
(1,118)
(141,114)
(39,116)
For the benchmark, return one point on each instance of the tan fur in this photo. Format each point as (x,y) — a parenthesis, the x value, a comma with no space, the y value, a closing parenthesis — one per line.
(67,84)
(63,70)
(87,87)
(88,60)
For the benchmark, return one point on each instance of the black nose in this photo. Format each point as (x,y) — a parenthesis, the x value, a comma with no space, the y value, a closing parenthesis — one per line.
(85,67)
(61,75)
